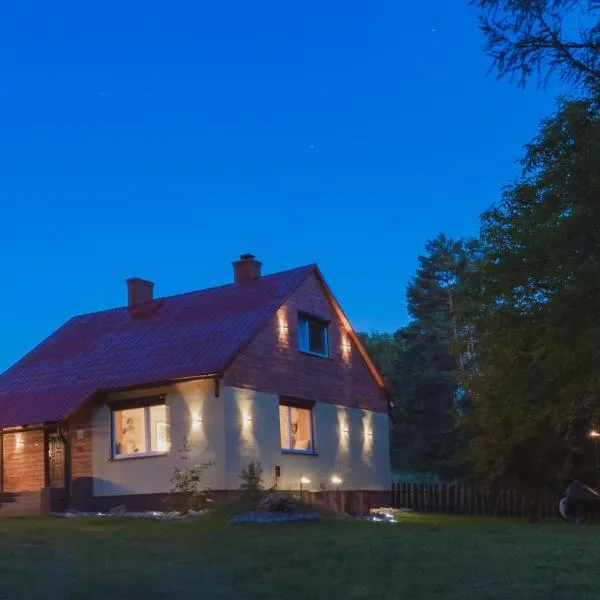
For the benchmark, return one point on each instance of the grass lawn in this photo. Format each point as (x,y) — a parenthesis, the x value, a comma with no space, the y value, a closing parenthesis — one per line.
(420,557)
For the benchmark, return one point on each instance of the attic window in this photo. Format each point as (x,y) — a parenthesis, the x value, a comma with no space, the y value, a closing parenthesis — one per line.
(313,335)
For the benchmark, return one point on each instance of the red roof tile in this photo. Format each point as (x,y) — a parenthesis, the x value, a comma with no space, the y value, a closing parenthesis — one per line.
(189,335)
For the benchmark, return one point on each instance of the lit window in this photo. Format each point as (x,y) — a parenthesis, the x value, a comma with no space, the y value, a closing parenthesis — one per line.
(140,430)
(295,426)
(312,335)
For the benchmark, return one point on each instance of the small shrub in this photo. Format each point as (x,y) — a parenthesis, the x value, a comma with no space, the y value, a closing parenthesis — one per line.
(186,481)
(252,480)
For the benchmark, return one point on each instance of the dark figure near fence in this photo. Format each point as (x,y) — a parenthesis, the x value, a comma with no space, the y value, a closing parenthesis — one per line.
(580,503)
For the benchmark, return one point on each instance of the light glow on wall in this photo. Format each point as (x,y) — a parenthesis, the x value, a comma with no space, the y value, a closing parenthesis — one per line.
(346,346)
(343,431)
(249,448)
(336,480)
(244,404)
(199,422)
(282,326)
(196,421)
(19,442)
(367,446)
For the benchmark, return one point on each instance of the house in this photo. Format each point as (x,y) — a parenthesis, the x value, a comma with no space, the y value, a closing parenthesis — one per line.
(266,368)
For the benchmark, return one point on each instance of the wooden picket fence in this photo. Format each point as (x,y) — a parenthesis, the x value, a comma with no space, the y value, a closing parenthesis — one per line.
(468,500)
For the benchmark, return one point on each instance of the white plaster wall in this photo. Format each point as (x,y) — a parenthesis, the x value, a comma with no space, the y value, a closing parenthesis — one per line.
(252,434)
(237,428)
(150,475)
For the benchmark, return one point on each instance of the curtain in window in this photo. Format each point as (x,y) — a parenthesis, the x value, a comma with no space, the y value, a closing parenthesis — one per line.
(303,334)
(284,427)
(301,428)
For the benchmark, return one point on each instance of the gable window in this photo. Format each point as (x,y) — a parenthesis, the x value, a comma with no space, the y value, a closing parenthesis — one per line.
(296,428)
(313,335)
(140,428)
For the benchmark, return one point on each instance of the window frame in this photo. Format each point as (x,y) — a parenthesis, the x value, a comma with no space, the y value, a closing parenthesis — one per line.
(290,403)
(146,403)
(304,320)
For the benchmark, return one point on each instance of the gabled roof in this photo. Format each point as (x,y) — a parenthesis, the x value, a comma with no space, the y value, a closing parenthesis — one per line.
(189,335)
(193,335)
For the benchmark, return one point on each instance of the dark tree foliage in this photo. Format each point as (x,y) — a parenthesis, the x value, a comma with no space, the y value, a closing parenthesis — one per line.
(423,362)
(536,391)
(385,350)
(436,356)
(540,38)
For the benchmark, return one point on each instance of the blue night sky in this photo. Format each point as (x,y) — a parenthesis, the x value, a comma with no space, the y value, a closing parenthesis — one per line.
(163,141)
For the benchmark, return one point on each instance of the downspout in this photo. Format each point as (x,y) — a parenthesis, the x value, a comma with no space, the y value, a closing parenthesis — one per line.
(217,394)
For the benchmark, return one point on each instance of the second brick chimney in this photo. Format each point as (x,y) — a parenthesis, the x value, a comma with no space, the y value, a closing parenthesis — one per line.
(139,291)
(246,269)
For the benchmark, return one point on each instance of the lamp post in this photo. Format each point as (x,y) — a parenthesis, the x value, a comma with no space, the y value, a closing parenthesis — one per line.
(595,435)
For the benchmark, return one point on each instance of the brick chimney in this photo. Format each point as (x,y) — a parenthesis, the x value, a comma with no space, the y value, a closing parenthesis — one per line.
(247,268)
(139,291)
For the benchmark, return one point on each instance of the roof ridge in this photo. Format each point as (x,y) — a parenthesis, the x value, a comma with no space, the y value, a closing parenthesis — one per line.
(208,289)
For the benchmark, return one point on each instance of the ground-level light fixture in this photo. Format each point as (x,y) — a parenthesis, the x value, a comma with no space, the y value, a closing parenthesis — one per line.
(336,480)
(303,481)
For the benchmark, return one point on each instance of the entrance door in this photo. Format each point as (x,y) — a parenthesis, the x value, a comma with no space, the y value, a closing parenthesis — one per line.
(56,460)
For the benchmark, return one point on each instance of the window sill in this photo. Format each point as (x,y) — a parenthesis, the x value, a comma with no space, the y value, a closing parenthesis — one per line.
(300,452)
(315,354)
(120,457)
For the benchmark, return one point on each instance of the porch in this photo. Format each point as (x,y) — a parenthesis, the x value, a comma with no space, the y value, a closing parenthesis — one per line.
(33,470)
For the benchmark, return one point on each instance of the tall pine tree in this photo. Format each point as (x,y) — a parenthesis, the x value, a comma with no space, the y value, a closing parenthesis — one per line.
(423,363)
(434,358)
